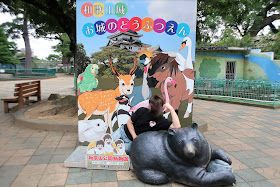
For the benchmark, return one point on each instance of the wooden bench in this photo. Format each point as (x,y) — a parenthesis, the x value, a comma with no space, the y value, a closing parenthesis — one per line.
(22,93)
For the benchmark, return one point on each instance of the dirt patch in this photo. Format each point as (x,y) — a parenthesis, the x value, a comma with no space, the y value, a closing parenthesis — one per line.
(51,112)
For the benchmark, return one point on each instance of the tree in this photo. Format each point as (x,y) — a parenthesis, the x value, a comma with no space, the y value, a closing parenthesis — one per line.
(82,58)
(276,46)
(243,16)
(49,17)
(53,58)
(20,55)
(19,27)
(63,47)
(269,42)
(7,50)
(229,38)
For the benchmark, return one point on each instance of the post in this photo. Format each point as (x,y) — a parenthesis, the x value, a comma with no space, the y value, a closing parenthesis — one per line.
(20,98)
(6,107)
(196,87)
(39,91)
(230,90)
(274,95)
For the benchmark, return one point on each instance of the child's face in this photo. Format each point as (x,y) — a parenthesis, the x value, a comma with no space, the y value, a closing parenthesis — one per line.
(99,146)
(108,141)
(120,146)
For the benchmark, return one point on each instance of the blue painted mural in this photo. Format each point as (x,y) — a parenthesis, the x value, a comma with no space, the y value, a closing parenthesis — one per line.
(269,66)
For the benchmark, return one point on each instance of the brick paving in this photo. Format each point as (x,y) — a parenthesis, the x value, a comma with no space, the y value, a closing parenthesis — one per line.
(249,135)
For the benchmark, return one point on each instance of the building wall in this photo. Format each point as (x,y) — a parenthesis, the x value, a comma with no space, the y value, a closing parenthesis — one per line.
(252,66)
(266,68)
(131,48)
(254,72)
(127,37)
(215,66)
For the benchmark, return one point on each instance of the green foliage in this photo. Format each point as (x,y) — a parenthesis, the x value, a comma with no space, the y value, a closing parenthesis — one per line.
(53,58)
(14,29)
(19,55)
(229,38)
(35,58)
(50,18)
(242,16)
(63,47)
(122,60)
(82,60)
(7,50)
(269,43)
(20,27)
(209,68)
(276,46)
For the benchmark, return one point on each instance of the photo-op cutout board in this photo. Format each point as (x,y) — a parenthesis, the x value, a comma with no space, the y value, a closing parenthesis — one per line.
(131,51)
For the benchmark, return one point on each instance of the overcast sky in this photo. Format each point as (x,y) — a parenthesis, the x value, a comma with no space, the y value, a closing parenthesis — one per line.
(40,47)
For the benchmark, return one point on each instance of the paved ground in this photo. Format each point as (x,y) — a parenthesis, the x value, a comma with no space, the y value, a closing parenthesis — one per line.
(249,135)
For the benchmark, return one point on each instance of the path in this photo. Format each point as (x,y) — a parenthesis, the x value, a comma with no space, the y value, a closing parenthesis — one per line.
(249,135)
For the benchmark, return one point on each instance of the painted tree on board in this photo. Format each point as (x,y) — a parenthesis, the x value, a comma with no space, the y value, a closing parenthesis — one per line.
(123,60)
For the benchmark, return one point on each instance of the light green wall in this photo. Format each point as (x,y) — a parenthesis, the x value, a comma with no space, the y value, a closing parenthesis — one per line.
(258,68)
(277,62)
(254,72)
(222,61)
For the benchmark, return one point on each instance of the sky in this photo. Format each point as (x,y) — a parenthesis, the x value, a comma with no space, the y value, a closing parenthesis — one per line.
(156,9)
(40,47)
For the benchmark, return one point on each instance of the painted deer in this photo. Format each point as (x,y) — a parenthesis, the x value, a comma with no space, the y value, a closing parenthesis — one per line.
(104,102)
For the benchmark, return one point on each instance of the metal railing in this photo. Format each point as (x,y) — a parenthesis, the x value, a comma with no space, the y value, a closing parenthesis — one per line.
(24,73)
(261,92)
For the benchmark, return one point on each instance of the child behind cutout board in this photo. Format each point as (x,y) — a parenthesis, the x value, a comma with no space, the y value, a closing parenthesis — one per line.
(121,147)
(109,146)
(99,149)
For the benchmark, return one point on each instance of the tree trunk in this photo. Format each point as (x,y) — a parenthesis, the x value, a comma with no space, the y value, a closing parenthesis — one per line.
(273,28)
(258,26)
(25,35)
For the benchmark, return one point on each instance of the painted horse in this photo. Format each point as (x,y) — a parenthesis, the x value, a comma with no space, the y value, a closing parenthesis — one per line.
(163,66)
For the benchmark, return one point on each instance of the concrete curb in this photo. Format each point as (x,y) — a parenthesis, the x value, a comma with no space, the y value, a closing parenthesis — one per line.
(45,125)
(240,103)
(27,78)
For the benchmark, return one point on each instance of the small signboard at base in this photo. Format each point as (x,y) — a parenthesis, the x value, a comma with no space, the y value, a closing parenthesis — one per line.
(108,162)
(106,154)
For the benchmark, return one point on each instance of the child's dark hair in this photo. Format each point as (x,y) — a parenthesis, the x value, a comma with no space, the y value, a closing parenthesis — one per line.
(107,136)
(156,102)
(100,142)
(118,142)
